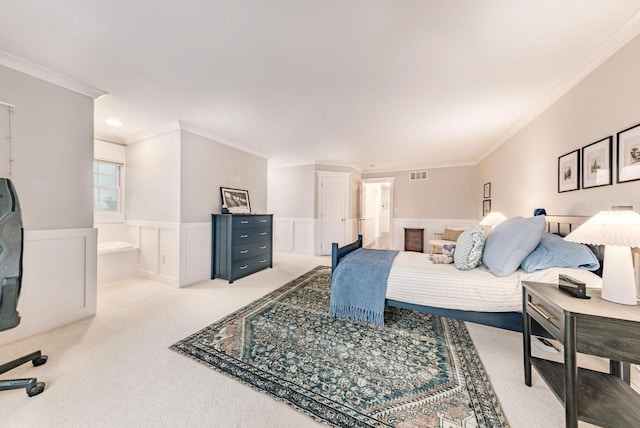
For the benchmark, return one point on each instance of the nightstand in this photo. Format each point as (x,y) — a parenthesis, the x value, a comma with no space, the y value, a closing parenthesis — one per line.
(595,327)
(414,240)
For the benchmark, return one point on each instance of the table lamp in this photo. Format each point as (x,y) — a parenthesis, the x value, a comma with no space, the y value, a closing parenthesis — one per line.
(491,220)
(618,230)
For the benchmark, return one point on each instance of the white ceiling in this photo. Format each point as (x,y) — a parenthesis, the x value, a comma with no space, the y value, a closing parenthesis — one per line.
(398,84)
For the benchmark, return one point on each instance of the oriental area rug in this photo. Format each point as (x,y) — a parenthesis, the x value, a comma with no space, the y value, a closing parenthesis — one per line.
(419,370)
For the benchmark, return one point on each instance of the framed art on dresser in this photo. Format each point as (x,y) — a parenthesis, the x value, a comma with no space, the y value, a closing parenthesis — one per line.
(628,146)
(596,163)
(236,201)
(569,171)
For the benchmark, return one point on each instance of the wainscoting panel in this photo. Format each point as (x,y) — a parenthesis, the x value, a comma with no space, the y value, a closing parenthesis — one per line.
(159,249)
(195,253)
(293,235)
(59,280)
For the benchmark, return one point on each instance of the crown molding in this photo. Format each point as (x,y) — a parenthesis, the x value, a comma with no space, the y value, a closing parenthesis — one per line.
(42,73)
(195,129)
(623,35)
(168,127)
(418,168)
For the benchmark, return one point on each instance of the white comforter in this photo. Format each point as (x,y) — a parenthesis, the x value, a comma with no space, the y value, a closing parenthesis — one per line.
(415,279)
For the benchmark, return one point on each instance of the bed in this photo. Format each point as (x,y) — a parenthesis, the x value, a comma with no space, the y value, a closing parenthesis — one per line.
(415,283)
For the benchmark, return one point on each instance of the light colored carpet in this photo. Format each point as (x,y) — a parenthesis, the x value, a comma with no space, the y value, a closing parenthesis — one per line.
(115,369)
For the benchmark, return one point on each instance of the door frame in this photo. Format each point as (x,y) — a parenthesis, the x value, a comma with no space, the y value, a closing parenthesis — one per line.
(362,208)
(320,175)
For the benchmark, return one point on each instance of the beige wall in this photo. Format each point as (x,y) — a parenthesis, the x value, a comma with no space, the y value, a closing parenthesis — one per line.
(153,179)
(451,193)
(207,165)
(52,131)
(292,191)
(523,171)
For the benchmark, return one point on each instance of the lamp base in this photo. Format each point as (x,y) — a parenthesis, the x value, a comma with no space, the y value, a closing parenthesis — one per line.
(618,283)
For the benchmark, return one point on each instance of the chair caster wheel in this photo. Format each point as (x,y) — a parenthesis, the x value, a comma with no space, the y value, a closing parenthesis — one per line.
(40,360)
(36,389)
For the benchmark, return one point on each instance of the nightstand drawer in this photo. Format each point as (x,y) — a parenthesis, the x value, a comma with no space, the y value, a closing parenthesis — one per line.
(548,316)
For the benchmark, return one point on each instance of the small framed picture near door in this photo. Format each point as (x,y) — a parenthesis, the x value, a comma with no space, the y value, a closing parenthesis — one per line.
(569,172)
(629,154)
(486,194)
(486,207)
(596,164)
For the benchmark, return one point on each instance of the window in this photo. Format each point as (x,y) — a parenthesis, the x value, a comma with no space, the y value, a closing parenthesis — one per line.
(106,186)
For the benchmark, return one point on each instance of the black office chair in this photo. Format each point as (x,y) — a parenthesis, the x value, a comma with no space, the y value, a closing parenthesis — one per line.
(11,241)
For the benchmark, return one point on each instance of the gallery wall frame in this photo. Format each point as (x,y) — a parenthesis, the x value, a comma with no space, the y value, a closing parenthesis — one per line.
(236,201)
(486,194)
(569,171)
(486,207)
(597,163)
(628,154)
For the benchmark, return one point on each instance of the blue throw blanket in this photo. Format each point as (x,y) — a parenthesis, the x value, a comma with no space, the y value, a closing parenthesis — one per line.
(359,285)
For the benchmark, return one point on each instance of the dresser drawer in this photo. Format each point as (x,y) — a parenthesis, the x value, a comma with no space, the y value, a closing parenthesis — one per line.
(261,220)
(242,221)
(250,265)
(244,251)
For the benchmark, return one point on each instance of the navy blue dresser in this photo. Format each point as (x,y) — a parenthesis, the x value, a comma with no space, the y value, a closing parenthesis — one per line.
(242,244)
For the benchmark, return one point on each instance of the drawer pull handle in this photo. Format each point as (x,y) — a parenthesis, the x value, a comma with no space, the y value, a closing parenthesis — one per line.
(540,311)
(263,261)
(244,251)
(263,233)
(264,247)
(243,267)
(244,221)
(263,221)
(244,236)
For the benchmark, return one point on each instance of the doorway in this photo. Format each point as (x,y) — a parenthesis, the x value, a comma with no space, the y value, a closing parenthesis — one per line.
(333,203)
(376,207)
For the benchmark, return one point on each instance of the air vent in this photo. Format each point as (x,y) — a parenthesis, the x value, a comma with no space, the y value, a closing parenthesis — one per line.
(419,175)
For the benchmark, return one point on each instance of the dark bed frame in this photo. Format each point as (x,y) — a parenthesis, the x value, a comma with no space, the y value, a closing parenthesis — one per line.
(560,225)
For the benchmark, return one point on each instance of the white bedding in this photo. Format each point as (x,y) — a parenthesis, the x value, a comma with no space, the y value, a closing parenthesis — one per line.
(415,279)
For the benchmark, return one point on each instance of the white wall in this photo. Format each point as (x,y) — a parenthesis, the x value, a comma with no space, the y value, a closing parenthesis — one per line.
(52,145)
(523,171)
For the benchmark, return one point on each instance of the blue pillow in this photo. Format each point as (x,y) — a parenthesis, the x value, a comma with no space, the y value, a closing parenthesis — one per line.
(468,251)
(553,251)
(510,242)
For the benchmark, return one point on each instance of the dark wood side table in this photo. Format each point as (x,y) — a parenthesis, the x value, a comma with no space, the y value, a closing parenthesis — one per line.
(595,327)
(414,240)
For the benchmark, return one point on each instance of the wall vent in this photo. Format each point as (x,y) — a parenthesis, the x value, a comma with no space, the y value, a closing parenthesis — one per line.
(419,175)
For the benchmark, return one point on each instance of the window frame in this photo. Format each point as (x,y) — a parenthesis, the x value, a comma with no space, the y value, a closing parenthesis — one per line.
(117,215)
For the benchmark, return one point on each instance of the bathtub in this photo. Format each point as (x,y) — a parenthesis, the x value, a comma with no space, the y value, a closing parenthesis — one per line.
(117,260)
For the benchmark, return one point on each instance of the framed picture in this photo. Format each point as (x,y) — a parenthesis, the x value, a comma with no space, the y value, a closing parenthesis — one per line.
(487,191)
(235,200)
(486,207)
(628,146)
(596,163)
(569,172)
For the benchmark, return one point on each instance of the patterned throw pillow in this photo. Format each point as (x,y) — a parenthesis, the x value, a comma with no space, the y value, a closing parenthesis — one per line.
(469,248)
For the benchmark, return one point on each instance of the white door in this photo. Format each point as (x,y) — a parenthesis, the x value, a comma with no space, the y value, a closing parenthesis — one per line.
(333,211)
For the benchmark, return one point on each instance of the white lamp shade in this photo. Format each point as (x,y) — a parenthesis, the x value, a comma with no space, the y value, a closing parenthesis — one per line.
(493,219)
(618,230)
(616,227)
